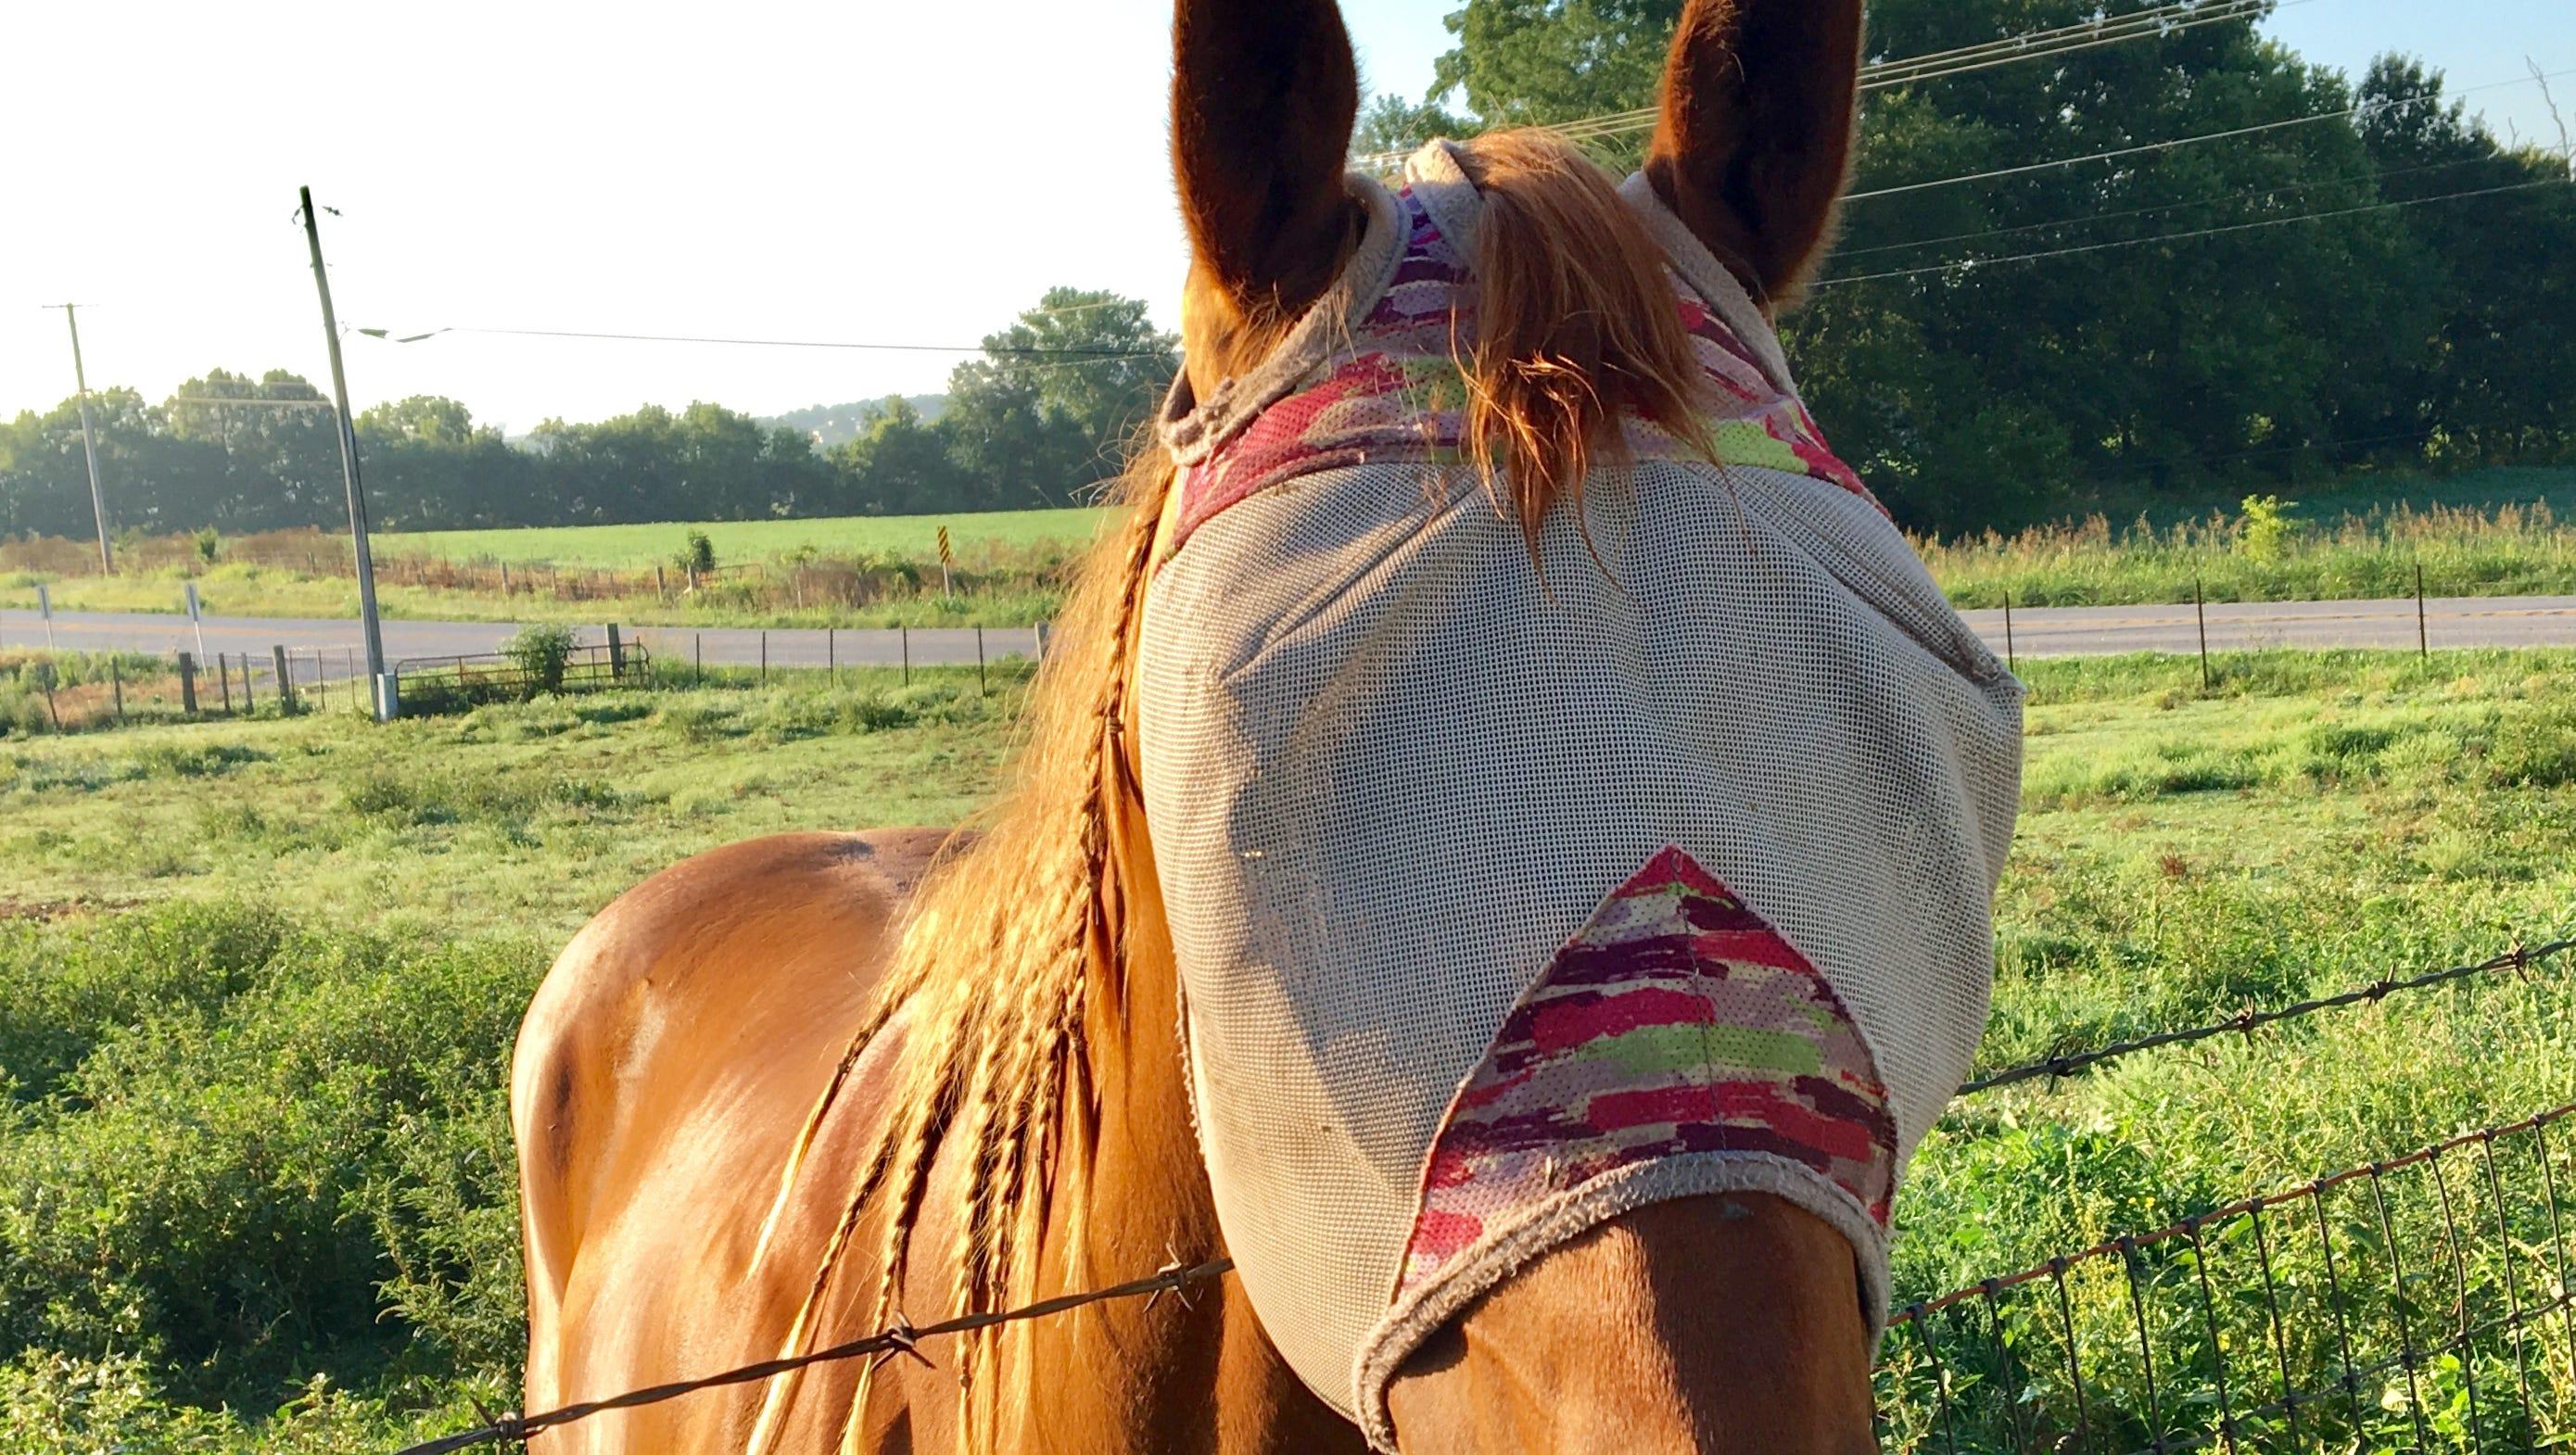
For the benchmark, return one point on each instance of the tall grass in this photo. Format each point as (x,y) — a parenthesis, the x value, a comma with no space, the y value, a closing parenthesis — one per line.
(60,691)
(2462,551)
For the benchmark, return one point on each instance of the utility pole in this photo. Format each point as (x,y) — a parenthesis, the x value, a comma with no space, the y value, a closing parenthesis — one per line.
(382,689)
(89,438)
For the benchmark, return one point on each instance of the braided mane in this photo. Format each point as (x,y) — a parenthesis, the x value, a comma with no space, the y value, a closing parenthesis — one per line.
(1013,940)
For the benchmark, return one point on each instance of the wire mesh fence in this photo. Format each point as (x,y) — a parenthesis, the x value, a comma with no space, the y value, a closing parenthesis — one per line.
(440,683)
(76,692)
(2420,1303)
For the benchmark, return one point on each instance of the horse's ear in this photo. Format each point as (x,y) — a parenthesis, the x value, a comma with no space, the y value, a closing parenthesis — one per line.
(1756,131)
(1264,96)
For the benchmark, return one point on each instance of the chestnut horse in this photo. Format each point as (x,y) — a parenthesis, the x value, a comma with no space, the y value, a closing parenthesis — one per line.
(795,1090)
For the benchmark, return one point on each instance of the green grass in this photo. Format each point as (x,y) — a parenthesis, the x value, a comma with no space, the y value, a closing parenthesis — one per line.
(531,815)
(640,546)
(257,983)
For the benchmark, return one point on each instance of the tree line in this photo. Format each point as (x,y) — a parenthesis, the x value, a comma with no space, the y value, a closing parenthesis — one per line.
(2383,290)
(1038,420)
(2378,285)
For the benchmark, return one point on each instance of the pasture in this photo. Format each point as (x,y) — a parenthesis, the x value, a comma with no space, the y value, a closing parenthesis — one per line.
(258,982)
(631,547)
(2497,532)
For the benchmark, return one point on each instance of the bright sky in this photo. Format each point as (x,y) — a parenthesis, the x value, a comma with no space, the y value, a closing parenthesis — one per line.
(883,172)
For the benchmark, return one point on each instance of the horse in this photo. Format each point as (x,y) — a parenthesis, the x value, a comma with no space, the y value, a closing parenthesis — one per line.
(801,1089)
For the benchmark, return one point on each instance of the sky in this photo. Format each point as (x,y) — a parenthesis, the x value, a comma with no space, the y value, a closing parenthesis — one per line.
(886,173)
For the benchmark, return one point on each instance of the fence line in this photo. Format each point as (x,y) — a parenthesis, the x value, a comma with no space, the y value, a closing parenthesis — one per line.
(2447,1350)
(2518,959)
(2005,1403)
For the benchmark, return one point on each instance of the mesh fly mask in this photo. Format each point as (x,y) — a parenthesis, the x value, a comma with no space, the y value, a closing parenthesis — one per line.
(1512,897)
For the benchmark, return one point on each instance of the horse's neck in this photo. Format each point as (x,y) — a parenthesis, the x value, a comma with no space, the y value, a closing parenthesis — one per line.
(1188,1373)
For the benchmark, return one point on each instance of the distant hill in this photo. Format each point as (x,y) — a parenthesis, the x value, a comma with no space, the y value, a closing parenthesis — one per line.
(832,424)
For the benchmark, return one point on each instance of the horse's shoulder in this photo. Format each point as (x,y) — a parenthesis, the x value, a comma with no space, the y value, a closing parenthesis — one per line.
(758,907)
(712,996)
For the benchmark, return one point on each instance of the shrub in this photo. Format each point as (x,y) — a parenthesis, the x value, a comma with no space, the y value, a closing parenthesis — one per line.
(2265,532)
(254,1153)
(698,557)
(541,653)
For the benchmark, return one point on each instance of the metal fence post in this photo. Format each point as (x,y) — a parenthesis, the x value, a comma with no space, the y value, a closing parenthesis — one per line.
(698,654)
(2200,613)
(2012,657)
(224,678)
(764,656)
(832,654)
(616,654)
(906,630)
(116,683)
(979,661)
(2423,633)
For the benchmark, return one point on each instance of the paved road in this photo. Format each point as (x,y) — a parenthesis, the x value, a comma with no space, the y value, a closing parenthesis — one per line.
(2488,621)
(335,639)
(2492,621)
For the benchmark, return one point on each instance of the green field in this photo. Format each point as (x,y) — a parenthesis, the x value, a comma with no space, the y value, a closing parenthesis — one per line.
(257,984)
(2486,533)
(638,547)
(2496,532)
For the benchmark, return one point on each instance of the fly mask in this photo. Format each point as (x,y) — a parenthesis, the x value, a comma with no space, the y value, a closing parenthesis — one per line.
(1511,895)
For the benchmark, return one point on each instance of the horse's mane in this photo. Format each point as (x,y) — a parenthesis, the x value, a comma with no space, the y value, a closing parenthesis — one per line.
(1011,940)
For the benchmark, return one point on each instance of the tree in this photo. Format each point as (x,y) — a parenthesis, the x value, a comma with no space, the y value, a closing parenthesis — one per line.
(900,466)
(1394,127)
(2191,332)
(1543,62)
(1046,413)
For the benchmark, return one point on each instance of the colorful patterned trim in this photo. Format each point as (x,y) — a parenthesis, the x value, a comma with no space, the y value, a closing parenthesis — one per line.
(1676,1022)
(1396,395)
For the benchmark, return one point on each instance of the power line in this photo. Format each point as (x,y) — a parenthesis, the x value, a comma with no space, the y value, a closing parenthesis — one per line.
(2037,45)
(254,403)
(1968,264)
(2366,108)
(2159,21)
(2177,10)
(2115,34)
(2207,200)
(1041,351)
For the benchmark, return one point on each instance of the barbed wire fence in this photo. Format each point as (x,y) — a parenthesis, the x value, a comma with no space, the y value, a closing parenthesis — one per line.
(2283,1322)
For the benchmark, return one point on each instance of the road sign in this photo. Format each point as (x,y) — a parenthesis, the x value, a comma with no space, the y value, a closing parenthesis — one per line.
(947,565)
(45,609)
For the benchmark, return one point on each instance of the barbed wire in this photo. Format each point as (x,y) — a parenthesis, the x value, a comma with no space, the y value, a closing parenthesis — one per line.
(901,1339)
(2517,959)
